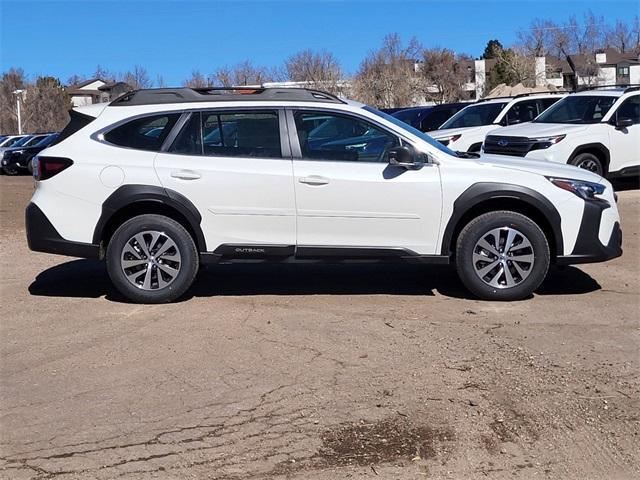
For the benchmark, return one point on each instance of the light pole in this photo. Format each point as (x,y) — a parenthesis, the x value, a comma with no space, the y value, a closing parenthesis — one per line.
(18,94)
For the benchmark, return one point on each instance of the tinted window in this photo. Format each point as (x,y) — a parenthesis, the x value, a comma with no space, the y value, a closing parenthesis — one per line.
(189,140)
(241,134)
(436,118)
(16,141)
(34,141)
(146,133)
(578,109)
(630,109)
(344,138)
(475,115)
(547,102)
(524,111)
(411,117)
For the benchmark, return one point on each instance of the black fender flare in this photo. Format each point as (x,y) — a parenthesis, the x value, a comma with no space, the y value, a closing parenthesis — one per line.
(128,195)
(592,146)
(483,191)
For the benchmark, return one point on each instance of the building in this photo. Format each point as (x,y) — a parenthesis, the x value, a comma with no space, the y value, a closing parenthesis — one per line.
(607,67)
(95,90)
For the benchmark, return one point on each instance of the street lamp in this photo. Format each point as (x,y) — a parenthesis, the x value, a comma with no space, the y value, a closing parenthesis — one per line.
(18,94)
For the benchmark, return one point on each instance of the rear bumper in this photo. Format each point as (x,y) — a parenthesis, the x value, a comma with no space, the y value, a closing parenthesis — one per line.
(43,237)
(588,248)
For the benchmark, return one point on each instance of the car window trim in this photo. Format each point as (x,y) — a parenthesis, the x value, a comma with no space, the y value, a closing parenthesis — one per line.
(296,151)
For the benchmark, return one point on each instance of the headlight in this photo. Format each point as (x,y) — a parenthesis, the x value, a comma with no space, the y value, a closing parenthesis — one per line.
(447,140)
(541,143)
(19,152)
(584,190)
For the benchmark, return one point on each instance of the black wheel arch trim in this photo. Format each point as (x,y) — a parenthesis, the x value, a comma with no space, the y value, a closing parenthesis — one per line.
(128,195)
(484,191)
(591,146)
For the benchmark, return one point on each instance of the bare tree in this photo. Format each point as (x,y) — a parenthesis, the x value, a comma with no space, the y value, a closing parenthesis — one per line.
(387,77)
(319,70)
(619,37)
(137,78)
(635,35)
(46,106)
(444,74)
(538,39)
(160,81)
(12,80)
(197,80)
(514,66)
(103,74)
(244,73)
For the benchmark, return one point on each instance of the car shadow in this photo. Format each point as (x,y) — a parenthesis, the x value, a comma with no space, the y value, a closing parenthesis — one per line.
(89,279)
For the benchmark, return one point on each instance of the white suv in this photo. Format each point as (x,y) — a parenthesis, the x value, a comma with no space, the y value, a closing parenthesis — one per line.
(161,181)
(465,131)
(596,129)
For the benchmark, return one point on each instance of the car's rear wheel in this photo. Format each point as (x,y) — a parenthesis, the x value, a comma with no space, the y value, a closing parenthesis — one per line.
(590,162)
(502,255)
(152,259)
(9,170)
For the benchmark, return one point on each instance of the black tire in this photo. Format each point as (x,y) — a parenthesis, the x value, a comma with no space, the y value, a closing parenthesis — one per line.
(479,228)
(9,170)
(590,162)
(187,267)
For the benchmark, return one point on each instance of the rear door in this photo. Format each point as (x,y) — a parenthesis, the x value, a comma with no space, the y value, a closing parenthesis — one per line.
(235,166)
(349,200)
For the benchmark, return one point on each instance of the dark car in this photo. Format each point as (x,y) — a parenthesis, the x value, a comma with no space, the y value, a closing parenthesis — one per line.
(19,158)
(427,119)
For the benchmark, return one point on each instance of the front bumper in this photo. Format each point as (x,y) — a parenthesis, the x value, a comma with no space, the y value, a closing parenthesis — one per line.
(43,237)
(588,247)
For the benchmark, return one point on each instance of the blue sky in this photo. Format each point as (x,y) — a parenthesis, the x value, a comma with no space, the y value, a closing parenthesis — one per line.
(62,38)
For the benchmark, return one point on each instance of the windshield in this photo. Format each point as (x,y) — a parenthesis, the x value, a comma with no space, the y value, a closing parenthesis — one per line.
(475,115)
(578,109)
(412,130)
(16,142)
(33,141)
(407,116)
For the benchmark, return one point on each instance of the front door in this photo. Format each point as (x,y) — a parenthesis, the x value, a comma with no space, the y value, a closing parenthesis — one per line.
(347,195)
(234,167)
(624,143)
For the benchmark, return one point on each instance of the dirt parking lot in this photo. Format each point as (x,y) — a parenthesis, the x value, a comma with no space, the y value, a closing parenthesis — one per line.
(308,372)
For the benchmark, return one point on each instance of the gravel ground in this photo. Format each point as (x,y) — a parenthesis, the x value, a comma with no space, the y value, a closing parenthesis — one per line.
(308,372)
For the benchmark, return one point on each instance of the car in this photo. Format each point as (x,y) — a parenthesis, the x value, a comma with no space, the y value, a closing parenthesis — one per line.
(19,158)
(597,129)
(465,131)
(430,118)
(365,188)
(13,141)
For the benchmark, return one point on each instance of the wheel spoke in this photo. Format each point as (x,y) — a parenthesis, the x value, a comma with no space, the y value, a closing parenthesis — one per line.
(521,271)
(133,263)
(151,273)
(478,257)
(168,270)
(142,243)
(482,243)
(507,276)
(128,248)
(168,244)
(511,236)
(494,282)
(154,240)
(147,279)
(524,258)
(484,270)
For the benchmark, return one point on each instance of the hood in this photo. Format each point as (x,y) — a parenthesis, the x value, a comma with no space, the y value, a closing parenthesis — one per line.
(447,132)
(540,167)
(533,129)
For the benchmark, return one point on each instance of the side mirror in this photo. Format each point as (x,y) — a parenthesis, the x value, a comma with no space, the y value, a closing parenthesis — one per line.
(623,123)
(404,156)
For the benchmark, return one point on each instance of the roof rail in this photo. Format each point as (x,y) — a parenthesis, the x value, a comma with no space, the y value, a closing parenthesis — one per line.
(222,94)
(553,92)
(486,99)
(632,89)
(617,85)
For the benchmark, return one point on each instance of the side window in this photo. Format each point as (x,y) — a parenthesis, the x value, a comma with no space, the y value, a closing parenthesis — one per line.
(433,120)
(189,140)
(546,103)
(342,137)
(630,108)
(146,133)
(241,134)
(524,111)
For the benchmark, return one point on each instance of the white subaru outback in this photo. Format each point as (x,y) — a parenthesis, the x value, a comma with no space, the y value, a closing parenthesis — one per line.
(161,181)
(465,131)
(597,129)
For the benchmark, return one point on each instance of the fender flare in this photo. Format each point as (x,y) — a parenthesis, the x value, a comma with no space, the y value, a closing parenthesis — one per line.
(483,191)
(592,146)
(128,195)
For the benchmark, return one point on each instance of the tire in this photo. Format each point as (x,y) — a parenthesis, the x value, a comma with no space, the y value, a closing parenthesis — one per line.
(9,170)
(590,162)
(135,267)
(527,239)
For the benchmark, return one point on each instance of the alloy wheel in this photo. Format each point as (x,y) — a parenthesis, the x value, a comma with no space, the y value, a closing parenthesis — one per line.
(150,260)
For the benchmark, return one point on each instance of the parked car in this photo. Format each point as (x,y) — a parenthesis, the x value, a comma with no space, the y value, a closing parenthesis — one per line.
(430,118)
(465,131)
(596,129)
(369,189)
(19,158)
(13,141)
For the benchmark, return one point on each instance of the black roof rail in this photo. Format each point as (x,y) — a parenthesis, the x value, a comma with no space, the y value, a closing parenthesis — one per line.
(221,94)
(583,88)
(553,92)
(632,89)
(486,99)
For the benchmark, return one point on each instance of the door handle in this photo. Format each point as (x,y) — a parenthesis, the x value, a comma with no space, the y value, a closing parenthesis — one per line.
(314,180)
(185,174)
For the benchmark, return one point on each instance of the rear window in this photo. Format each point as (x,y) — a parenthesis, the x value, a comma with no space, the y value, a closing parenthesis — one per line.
(146,133)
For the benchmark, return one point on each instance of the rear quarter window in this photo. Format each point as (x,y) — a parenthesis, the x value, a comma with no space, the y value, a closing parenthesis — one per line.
(146,133)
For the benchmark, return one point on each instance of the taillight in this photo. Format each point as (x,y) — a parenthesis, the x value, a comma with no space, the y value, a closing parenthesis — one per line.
(47,167)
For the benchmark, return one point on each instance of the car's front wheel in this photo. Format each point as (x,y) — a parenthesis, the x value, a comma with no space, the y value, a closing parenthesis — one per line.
(590,162)
(152,259)
(502,255)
